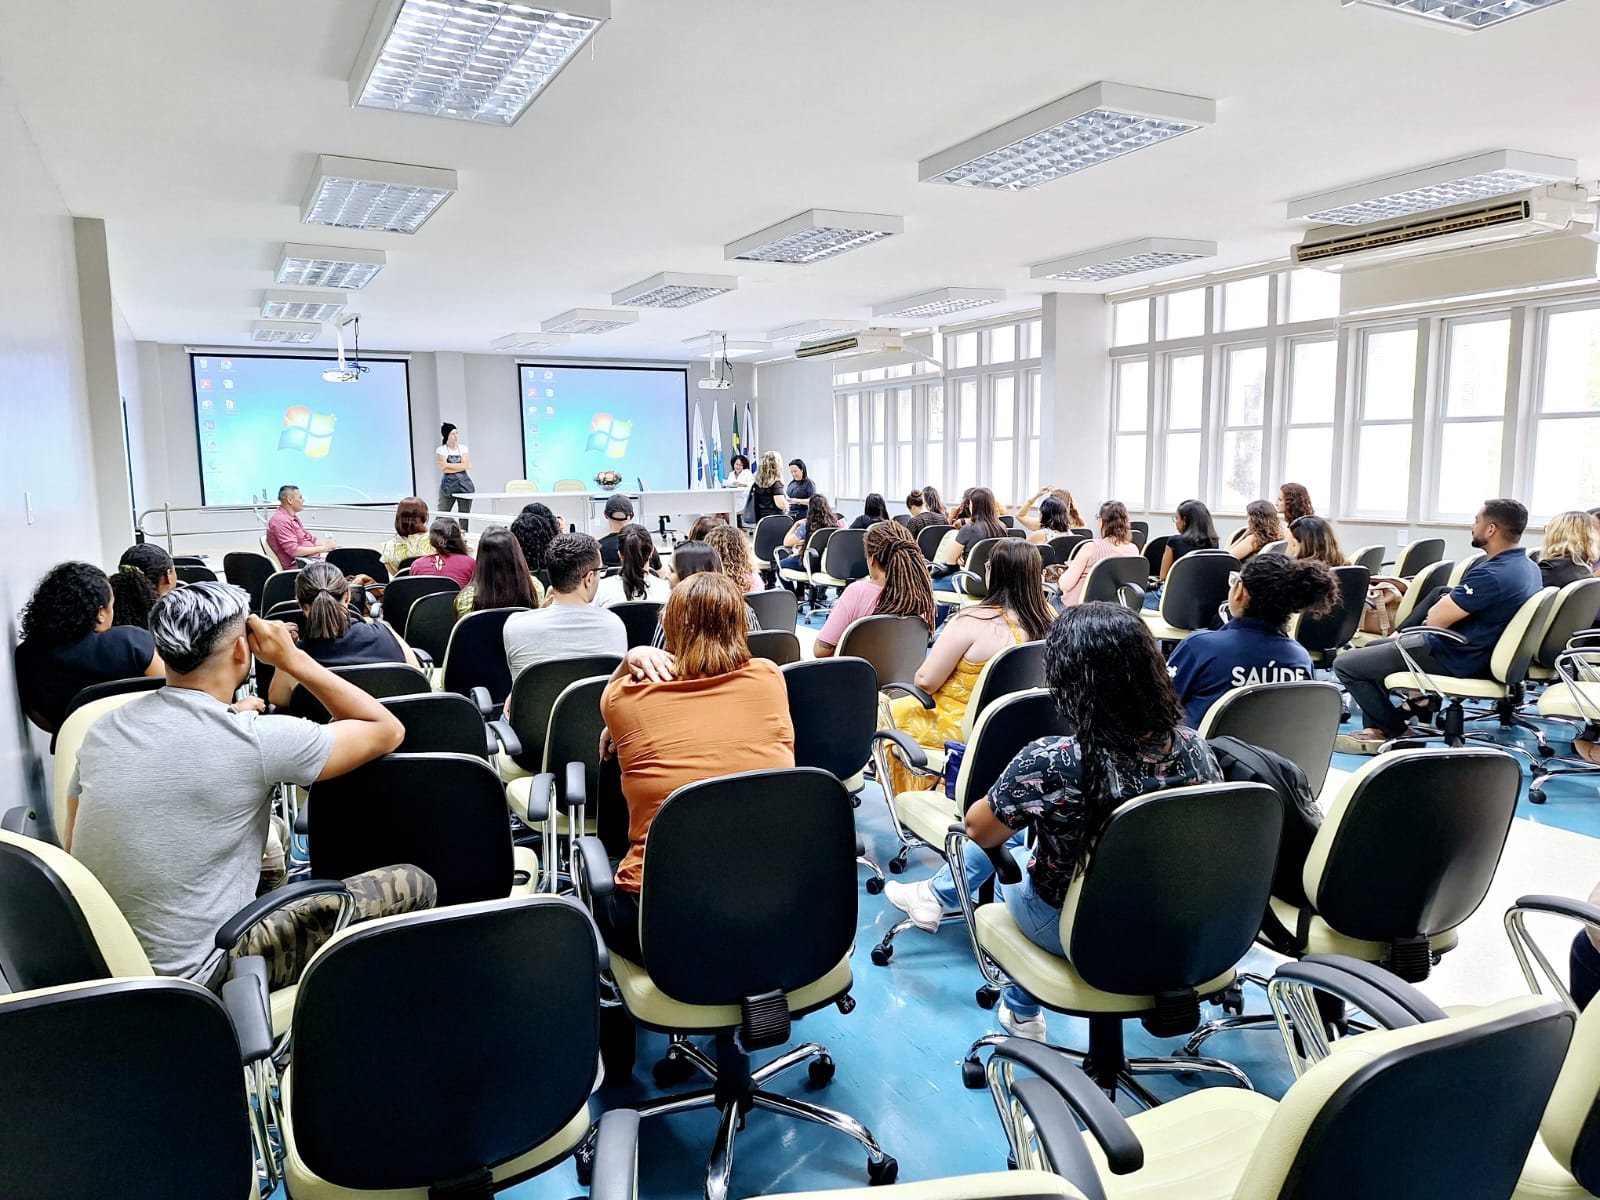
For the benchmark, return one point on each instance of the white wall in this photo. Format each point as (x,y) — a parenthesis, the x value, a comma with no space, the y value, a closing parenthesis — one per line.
(794,415)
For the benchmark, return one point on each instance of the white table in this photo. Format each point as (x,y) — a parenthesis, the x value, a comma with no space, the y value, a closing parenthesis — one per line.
(582,508)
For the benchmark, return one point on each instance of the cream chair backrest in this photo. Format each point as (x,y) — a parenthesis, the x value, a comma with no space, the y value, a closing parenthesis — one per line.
(570,485)
(1464,565)
(68,741)
(1431,576)
(522,486)
(1571,1125)
(124,956)
(1520,640)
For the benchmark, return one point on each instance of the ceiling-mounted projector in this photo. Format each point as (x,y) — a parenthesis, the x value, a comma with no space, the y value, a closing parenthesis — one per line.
(351,370)
(719,371)
(715,384)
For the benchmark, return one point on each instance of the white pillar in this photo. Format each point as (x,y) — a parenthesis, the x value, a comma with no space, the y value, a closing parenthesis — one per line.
(108,444)
(1076,406)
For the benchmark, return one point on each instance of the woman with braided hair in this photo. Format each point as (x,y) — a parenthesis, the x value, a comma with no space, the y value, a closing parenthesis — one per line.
(144,574)
(897,585)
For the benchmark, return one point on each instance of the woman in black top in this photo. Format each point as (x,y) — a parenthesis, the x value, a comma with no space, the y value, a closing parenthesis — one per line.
(766,493)
(874,510)
(1571,543)
(330,636)
(800,489)
(1195,532)
(144,574)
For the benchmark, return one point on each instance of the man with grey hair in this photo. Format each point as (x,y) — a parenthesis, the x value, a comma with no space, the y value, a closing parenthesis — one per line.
(170,801)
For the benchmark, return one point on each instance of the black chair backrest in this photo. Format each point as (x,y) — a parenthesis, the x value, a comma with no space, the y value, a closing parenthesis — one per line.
(534,695)
(194,574)
(833,703)
(895,646)
(445,813)
(1340,623)
(278,588)
(1083,531)
(476,654)
(1109,576)
(717,922)
(977,563)
(1012,531)
(360,560)
(1008,520)
(429,622)
(1175,888)
(1139,537)
(639,618)
(375,679)
(776,608)
(1154,551)
(476,1002)
(405,563)
(816,546)
(929,537)
(112,687)
(405,591)
(1065,543)
(1418,842)
(1007,724)
(846,555)
(1015,669)
(170,1120)
(1047,556)
(1298,719)
(45,939)
(1577,605)
(1140,526)
(770,532)
(775,645)
(188,560)
(249,571)
(574,737)
(1197,586)
(1418,555)
(1371,558)
(440,723)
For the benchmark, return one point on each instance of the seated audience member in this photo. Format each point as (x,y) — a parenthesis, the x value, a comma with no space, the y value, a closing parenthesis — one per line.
(739,473)
(144,574)
(737,563)
(70,640)
(1262,527)
(331,635)
(1313,539)
(873,511)
(1033,524)
(1128,742)
(977,519)
(1479,608)
(1115,541)
(1055,519)
(1583,962)
(1252,647)
(535,528)
(819,514)
(287,537)
(1013,612)
(568,626)
(1196,531)
(658,709)
(1571,544)
(449,554)
(703,525)
(935,503)
(688,560)
(922,520)
(897,585)
(180,850)
(914,507)
(500,577)
(767,491)
(636,581)
(1294,502)
(410,538)
(1595,513)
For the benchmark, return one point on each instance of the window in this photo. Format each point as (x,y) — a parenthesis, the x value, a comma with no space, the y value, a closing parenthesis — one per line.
(964,349)
(1130,322)
(1309,448)
(933,464)
(1477,353)
(1383,438)
(1243,417)
(966,433)
(1032,339)
(1185,418)
(877,477)
(1131,383)
(1002,438)
(1003,344)
(1566,458)
(1186,314)
(1035,430)
(904,443)
(1313,295)
(852,444)
(1244,303)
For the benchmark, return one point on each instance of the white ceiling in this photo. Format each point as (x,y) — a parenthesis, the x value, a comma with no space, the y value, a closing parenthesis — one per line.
(192,127)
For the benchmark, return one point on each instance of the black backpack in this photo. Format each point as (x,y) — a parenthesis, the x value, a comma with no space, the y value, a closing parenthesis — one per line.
(1243,763)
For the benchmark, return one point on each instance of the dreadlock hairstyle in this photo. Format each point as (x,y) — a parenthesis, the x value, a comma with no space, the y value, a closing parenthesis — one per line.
(907,590)
(728,542)
(1279,585)
(1016,585)
(634,548)
(136,583)
(1112,687)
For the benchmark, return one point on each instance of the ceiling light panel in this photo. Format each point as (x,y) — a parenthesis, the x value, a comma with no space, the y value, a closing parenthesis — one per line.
(1089,127)
(670,289)
(734,349)
(296,333)
(327,266)
(1463,14)
(1462,181)
(470,60)
(589,320)
(529,341)
(940,302)
(805,331)
(1124,258)
(357,193)
(301,306)
(814,235)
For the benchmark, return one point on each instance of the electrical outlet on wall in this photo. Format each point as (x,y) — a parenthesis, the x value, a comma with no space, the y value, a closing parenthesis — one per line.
(1402,536)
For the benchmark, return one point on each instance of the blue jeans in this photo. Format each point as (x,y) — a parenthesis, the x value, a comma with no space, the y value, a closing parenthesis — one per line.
(1040,922)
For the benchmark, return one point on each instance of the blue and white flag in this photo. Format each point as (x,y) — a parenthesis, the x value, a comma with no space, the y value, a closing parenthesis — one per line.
(700,463)
(716,447)
(749,434)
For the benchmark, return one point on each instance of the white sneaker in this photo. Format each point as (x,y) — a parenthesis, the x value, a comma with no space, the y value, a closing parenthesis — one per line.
(918,902)
(1031,1028)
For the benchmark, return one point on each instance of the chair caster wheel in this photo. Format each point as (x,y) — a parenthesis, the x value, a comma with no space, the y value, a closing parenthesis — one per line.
(820,1072)
(1535,796)
(972,1074)
(988,997)
(881,955)
(846,1004)
(671,1071)
(882,1173)
(584,1162)
(874,885)
(1233,1001)
(1546,750)
(897,866)
(855,801)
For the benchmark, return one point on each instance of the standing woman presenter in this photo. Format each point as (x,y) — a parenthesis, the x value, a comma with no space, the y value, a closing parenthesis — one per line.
(454,463)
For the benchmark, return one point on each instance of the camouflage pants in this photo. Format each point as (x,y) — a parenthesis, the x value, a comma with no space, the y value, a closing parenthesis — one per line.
(289,937)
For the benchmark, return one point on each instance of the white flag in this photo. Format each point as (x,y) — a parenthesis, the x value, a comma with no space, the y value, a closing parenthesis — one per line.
(716,447)
(699,448)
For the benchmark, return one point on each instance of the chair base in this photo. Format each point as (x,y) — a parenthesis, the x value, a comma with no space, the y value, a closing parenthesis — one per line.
(736,1088)
(884,950)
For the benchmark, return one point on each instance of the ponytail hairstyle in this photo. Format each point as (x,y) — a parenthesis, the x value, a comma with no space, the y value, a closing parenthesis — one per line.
(820,514)
(1262,521)
(982,512)
(137,583)
(1114,525)
(734,551)
(1113,688)
(907,589)
(500,576)
(1295,501)
(1055,516)
(446,536)
(769,469)
(1314,539)
(1073,514)
(634,548)
(1279,586)
(1016,585)
(323,593)
(1198,528)
(935,502)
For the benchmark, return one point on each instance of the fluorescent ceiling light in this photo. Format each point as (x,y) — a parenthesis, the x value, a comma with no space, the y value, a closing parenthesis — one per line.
(357,193)
(806,331)
(814,235)
(472,60)
(294,332)
(1463,14)
(301,306)
(671,289)
(939,302)
(529,341)
(1480,177)
(328,266)
(589,320)
(1089,127)
(702,344)
(1124,258)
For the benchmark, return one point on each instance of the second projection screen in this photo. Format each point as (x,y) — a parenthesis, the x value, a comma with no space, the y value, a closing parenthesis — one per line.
(578,421)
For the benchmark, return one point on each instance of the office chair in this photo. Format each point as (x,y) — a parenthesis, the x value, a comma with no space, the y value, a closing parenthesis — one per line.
(811,553)
(833,703)
(278,588)
(404,591)
(1154,551)
(1370,557)
(775,608)
(1012,532)
(1083,531)
(359,560)
(570,485)
(1117,581)
(1196,587)
(1432,576)
(844,560)
(1459,571)
(1009,521)
(640,618)
(1393,1116)
(523,487)
(131,686)
(267,551)
(486,1017)
(381,680)
(775,645)
(569,774)
(1576,698)
(1577,605)
(769,535)
(429,621)
(1047,556)
(1418,554)
(194,574)
(895,646)
(83,710)
(405,566)
(972,581)
(250,571)
(442,723)
(1139,533)
(716,963)
(475,656)
(533,697)
(1324,636)
(1297,719)
(929,537)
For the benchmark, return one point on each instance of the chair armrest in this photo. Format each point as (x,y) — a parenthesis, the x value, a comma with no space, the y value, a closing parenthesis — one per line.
(1100,1117)
(504,737)
(1560,906)
(1390,1002)
(16,819)
(1064,1148)
(486,705)
(539,798)
(424,659)
(1584,639)
(965,581)
(616,1157)
(1416,631)
(596,866)
(302,819)
(908,746)
(909,689)
(237,925)
(1005,866)
(245,998)
(577,787)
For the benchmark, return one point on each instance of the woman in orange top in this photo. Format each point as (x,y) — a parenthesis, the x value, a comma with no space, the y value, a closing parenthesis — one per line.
(658,709)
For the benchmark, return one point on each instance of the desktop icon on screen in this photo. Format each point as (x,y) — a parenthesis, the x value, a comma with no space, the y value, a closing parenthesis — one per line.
(201,363)
(205,385)
(228,384)
(227,364)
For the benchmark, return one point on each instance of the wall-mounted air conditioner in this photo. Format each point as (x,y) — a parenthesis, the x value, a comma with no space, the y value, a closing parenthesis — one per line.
(867,341)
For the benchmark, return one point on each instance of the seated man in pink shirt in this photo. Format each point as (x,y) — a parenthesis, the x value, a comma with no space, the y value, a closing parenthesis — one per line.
(287,537)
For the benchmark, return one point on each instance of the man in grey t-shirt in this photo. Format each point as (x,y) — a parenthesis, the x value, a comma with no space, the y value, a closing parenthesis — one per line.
(170,799)
(568,626)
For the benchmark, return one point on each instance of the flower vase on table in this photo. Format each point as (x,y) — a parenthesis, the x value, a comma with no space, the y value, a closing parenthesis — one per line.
(608,481)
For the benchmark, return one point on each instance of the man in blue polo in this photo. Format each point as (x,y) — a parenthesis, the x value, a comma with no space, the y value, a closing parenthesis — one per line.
(1479,608)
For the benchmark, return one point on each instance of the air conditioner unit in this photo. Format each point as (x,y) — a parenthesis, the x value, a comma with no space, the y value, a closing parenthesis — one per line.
(867,341)
(1556,209)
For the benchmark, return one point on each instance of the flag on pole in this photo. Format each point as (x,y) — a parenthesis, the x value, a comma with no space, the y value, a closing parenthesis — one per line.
(749,432)
(738,446)
(716,447)
(699,448)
